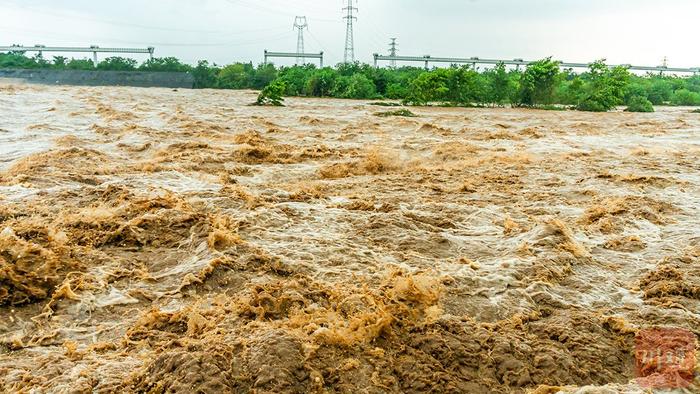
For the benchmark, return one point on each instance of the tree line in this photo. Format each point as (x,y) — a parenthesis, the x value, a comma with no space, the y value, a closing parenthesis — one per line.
(543,84)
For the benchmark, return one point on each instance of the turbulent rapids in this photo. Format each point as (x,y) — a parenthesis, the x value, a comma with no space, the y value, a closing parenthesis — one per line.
(160,241)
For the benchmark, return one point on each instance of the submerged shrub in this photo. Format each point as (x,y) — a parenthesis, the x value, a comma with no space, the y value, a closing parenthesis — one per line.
(399,112)
(272,94)
(639,104)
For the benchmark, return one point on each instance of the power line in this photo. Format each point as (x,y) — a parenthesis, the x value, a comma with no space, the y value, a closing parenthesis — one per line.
(74,17)
(42,33)
(258,7)
(323,47)
(277,37)
(118,23)
(90,37)
(349,56)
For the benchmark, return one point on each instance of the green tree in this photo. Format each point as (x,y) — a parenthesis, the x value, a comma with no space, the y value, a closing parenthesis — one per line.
(235,76)
(16,60)
(428,87)
(685,97)
(465,86)
(205,76)
(296,79)
(359,87)
(263,76)
(569,91)
(397,91)
(80,64)
(40,62)
(322,82)
(604,88)
(117,63)
(538,82)
(59,62)
(165,64)
(660,90)
(501,86)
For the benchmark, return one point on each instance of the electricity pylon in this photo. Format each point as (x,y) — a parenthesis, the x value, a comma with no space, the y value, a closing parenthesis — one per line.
(392,52)
(300,24)
(349,33)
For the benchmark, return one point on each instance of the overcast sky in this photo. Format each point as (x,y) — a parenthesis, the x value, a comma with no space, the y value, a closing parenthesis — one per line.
(640,32)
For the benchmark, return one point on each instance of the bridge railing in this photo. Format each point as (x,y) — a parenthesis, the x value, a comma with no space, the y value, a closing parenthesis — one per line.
(318,56)
(427,59)
(94,49)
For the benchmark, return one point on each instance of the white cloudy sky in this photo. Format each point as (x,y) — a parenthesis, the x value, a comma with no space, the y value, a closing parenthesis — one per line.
(640,32)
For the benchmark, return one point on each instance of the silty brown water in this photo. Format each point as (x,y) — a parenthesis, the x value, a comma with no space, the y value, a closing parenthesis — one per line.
(181,241)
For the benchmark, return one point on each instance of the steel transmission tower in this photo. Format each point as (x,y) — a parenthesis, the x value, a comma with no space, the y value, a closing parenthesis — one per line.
(392,51)
(300,24)
(349,33)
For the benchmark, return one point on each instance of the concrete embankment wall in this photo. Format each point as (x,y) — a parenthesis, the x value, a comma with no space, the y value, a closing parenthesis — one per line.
(100,78)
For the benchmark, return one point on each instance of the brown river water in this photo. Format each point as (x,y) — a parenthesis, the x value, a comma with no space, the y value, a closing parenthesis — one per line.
(160,241)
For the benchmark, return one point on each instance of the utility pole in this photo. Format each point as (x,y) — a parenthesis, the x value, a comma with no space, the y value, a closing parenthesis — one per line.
(300,24)
(392,52)
(349,33)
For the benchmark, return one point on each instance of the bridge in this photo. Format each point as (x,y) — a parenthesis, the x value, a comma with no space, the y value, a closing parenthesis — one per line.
(294,55)
(94,49)
(427,59)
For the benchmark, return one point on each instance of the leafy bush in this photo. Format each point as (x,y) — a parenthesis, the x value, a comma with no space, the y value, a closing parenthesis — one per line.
(262,76)
(399,112)
(428,87)
(538,82)
(359,87)
(685,97)
(500,85)
(205,76)
(165,64)
(272,94)
(322,82)
(117,63)
(385,104)
(235,76)
(17,60)
(659,91)
(603,88)
(296,79)
(639,104)
(554,107)
(80,64)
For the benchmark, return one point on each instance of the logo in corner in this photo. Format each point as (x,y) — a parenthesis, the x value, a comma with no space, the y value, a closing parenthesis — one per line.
(665,358)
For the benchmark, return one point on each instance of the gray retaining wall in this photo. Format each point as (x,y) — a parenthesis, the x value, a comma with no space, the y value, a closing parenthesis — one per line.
(101,78)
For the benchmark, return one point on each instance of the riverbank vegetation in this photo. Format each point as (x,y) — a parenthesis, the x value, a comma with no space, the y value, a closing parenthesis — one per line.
(543,84)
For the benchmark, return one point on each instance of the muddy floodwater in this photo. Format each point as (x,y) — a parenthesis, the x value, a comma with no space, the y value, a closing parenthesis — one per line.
(182,241)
